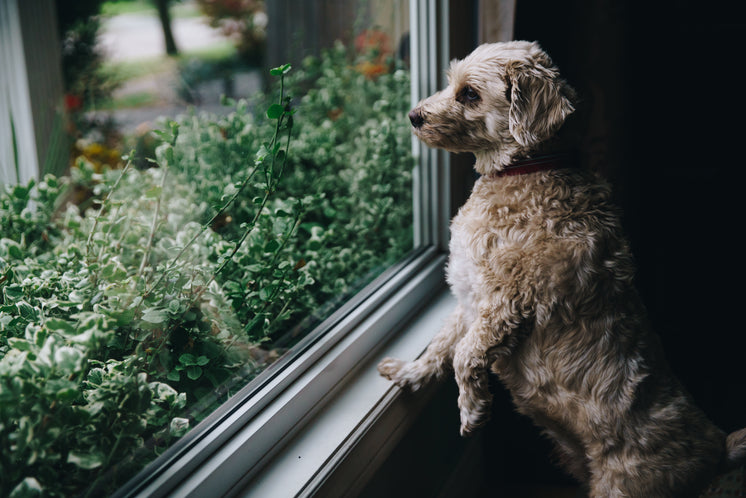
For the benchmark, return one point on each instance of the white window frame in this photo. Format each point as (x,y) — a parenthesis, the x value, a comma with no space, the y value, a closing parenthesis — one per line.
(32,134)
(290,430)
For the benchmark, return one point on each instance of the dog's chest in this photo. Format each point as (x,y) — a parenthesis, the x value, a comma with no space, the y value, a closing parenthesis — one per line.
(463,265)
(478,234)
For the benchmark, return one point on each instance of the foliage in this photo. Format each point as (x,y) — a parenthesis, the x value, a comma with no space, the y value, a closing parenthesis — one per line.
(352,144)
(83,80)
(124,324)
(243,21)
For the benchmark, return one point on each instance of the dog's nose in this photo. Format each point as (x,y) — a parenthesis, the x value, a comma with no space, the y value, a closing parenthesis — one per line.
(415,116)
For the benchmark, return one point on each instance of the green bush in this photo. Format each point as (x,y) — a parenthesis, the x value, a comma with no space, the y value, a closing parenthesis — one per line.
(123,325)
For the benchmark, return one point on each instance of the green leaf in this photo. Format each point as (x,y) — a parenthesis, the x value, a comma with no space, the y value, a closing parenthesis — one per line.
(174,306)
(174,376)
(154,315)
(178,426)
(194,372)
(86,461)
(265,293)
(262,153)
(155,191)
(13,293)
(60,325)
(27,488)
(187,359)
(226,101)
(280,70)
(19,344)
(96,376)
(27,311)
(275,111)
(272,246)
(68,359)
(62,389)
(14,249)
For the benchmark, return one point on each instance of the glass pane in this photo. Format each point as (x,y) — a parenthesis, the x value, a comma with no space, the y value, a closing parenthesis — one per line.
(139,294)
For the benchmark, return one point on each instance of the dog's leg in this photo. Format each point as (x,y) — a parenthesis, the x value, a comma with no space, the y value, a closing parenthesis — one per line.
(434,362)
(474,354)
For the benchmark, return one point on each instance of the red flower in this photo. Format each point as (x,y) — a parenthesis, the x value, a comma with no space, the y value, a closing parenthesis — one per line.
(372,39)
(73,102)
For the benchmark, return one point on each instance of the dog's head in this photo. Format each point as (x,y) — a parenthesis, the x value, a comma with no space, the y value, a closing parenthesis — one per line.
(504,99)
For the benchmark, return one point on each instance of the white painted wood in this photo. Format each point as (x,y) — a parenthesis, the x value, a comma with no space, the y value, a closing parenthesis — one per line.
(31,131)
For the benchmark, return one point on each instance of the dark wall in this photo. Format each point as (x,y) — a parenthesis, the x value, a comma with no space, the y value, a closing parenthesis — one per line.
(690,216)
(663,115)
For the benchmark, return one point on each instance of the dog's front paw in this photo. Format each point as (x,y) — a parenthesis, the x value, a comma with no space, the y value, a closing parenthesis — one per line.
(389,368)
(401,373)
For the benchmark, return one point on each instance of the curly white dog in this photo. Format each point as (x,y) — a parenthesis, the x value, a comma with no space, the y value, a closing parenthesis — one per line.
(544,282)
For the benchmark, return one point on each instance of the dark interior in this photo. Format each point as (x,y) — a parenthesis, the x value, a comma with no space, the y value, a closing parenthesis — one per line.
(662,119)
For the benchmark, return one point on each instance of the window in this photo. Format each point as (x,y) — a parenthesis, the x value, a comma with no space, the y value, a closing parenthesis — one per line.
(159,328)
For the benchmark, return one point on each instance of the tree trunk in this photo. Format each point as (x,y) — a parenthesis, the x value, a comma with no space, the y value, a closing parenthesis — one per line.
(165,17)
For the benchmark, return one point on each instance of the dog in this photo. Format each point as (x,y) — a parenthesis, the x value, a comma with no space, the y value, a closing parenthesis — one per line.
(543,278)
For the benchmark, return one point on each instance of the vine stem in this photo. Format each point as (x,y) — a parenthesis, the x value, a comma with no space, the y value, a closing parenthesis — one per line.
(271,181)
(270,189)
(203,229)
(153,225)
(89,242)
(169,158)
(271,185)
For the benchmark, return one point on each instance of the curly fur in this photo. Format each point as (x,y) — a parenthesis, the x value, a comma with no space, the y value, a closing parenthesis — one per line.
(544,282)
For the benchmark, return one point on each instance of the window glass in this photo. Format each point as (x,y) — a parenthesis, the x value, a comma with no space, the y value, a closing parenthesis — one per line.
(138,294)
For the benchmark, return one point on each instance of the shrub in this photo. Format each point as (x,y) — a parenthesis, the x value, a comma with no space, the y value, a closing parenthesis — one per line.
(123,325)
(243,21)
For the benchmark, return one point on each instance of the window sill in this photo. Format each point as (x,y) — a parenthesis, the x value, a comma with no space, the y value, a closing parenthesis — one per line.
(354,432)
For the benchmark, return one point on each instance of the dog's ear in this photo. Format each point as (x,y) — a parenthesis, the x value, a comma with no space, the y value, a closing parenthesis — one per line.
(539,101)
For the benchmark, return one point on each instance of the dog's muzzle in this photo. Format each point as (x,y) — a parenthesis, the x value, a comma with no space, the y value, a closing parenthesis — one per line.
(415,116)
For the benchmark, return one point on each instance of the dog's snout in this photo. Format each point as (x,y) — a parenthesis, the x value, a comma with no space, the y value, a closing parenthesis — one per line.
(415,116)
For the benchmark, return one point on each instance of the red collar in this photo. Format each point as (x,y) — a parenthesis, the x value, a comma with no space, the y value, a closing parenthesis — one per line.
(534,164)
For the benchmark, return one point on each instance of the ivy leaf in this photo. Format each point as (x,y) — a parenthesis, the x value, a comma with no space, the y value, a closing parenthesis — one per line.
(154,315)
(13,292)
(26,310)
(178,426)
(19,344)
(28,487)
(68,359)
(60,325)
(265,293)
(86,461)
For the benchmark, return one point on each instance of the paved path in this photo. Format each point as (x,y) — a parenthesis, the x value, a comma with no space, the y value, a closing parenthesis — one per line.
(139,36)
(131,37)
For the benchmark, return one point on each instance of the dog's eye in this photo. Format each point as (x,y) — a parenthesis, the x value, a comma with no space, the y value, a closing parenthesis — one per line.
(467,95)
